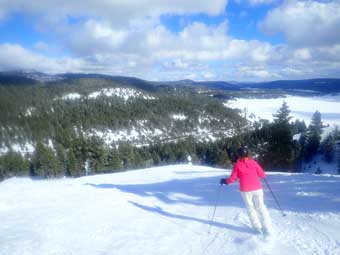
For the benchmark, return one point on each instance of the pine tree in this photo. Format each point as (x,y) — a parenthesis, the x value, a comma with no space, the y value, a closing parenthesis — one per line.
(282,115)
(128,156)
(313,137)
(72,168)
(45,161)
(62,164)
(32,171)
(13,164)
(328,148)
(155,158)
(114,160)
(2,172)
(222,158)
(338,168)
(299,127)
(316,123)
(167,154)
(280,148)
(95,153)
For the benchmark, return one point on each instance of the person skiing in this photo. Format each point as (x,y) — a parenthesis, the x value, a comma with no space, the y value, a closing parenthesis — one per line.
(248,171)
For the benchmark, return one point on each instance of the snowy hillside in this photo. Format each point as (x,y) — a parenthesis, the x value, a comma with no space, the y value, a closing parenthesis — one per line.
(165,210)
(124,93)
(301,107)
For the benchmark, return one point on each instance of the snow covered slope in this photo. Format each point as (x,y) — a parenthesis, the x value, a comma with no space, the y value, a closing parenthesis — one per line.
(165,210)
(301,107)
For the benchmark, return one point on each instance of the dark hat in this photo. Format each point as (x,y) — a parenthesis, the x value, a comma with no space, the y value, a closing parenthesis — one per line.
(242,152)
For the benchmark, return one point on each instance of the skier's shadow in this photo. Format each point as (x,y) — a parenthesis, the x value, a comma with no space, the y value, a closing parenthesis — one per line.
(296,193)
(159,210)
(202,191)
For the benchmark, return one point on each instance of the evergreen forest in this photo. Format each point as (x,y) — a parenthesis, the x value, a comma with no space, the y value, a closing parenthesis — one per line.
(56,126)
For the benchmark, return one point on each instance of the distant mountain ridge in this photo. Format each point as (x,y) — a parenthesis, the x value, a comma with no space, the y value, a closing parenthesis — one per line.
(324,85)
(29,77)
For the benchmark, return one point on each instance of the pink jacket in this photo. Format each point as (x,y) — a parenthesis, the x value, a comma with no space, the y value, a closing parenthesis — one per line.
(248,171)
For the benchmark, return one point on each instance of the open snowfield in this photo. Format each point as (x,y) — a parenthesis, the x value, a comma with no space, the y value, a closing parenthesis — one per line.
(301,107)
(165,210)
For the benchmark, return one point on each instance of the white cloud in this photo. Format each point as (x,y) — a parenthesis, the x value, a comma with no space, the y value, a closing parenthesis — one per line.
(14,56)
(305,23)
(260,2)
(209,75)
(255,3)
(303,54)
(91,37)
(116,11)
(163,55)
(177,63)
(41,46)
(199,42)
(259,72)
(140,45)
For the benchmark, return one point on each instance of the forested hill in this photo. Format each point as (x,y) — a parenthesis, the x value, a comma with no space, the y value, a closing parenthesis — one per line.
(317,85)
(321,85)
(52,125)
(77,124)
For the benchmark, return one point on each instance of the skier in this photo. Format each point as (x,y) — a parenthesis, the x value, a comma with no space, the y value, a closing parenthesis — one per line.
(248,171)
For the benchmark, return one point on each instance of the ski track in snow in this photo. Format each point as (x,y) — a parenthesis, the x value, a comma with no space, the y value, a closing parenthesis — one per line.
(166,210)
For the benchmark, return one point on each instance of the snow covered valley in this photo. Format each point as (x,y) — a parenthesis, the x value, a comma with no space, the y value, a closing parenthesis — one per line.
(301,107)
(165,210)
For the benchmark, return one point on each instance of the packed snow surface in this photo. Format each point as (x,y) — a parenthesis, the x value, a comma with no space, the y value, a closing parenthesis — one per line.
(165,210)
(301,107)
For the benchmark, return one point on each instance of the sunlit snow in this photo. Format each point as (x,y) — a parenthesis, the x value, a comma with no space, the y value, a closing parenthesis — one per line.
(179,117)
(124,93)
(23,149)
(301,107)
(166,210)
(72,96)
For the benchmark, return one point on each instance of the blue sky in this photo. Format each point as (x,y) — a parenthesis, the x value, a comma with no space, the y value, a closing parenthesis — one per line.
(171,40)
(19,29)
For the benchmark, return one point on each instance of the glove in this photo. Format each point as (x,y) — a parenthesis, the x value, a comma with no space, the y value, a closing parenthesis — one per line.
(223,181)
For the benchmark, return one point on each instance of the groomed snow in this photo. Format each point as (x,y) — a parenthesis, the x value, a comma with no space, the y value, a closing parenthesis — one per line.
(301,107)
(165,210)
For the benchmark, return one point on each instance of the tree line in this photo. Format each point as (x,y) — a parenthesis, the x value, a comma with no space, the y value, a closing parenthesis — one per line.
(34,113)
(91,156)
(39,115)
(272,143)
(285,145)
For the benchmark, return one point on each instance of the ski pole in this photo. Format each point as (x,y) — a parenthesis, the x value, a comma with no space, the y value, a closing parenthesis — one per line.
(216,202)
(277,202)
